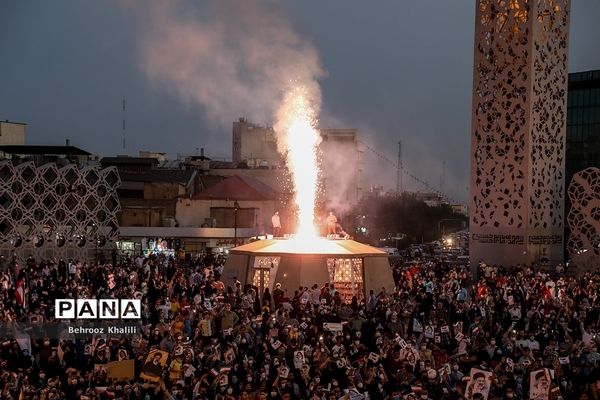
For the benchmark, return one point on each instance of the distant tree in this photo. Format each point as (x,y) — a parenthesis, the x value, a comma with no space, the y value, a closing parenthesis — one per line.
(389,215)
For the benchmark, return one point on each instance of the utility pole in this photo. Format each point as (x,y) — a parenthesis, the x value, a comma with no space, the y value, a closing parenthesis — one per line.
(443,177)
(399,170)
(124,118)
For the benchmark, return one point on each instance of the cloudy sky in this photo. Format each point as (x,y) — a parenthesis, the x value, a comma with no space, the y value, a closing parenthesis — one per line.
(394,69)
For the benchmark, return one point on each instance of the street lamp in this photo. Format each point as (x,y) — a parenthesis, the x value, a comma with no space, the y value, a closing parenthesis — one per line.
(441,221)
(236,207)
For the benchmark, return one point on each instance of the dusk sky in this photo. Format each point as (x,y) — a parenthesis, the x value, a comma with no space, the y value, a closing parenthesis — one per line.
(394,69)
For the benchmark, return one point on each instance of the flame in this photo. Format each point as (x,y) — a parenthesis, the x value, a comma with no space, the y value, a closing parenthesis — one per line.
(296,124)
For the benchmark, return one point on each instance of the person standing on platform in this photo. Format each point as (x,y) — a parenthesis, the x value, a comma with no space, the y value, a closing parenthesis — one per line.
(331,223)
(276,222)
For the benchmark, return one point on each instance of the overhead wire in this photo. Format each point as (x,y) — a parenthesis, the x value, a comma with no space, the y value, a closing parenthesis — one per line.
(406,172)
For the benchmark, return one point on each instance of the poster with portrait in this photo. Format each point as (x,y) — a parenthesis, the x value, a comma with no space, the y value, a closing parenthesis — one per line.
(417,326)
(458,327)
(539,384)
(178,350)
(100,375)
(153,367)
(99,368)
(510,365)
(122,354)
(412,356)
(479,383)
(429,331)
(298,359)
(229,356)
(188,354)
(284,372)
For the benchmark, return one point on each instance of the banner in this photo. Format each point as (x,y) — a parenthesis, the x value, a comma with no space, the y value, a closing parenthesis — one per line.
(332,326)
(121,370)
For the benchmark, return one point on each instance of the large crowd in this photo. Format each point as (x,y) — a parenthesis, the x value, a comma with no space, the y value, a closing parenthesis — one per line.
(203,338)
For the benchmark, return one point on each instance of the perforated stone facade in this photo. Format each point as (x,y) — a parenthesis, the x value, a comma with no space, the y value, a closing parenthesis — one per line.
(518,131)
(584,218)
(42,207)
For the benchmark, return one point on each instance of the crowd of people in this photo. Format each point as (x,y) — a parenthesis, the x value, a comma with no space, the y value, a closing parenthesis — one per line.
(441,334)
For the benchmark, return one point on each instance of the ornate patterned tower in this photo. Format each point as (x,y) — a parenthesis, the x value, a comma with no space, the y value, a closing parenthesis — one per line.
(518,131)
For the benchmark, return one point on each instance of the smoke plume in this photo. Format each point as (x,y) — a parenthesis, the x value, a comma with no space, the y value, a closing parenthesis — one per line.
(234,58)
(243,58)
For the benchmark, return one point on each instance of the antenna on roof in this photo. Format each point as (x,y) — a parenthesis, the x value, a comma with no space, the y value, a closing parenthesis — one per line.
(124,118)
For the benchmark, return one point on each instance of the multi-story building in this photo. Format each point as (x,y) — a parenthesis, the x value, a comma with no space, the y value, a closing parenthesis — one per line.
(255,146)
(187,209)
(255,150)
(12,133)
(583,122)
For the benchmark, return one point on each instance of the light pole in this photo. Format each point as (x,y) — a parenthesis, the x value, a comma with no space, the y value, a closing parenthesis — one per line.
(445,220)
(236,207)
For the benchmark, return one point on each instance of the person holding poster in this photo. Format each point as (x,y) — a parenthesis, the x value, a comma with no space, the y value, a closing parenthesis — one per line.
(539,384)
(153,367)
(479,384)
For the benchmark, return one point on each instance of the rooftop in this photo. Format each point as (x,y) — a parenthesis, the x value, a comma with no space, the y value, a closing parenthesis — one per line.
(238,188)
(216,164)
(13,122)
(207,181)
(160,175)
(126,160)
(25,149)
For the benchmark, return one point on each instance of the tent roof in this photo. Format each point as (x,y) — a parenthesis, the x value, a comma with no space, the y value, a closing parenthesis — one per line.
(317,246)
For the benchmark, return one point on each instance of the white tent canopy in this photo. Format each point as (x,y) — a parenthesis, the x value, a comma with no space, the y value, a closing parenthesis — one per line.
(354,268)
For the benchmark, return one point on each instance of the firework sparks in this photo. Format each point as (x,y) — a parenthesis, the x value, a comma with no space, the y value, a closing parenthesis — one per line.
(297,119)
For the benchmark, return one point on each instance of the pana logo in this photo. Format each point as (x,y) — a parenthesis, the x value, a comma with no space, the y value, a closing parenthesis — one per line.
(97,309)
